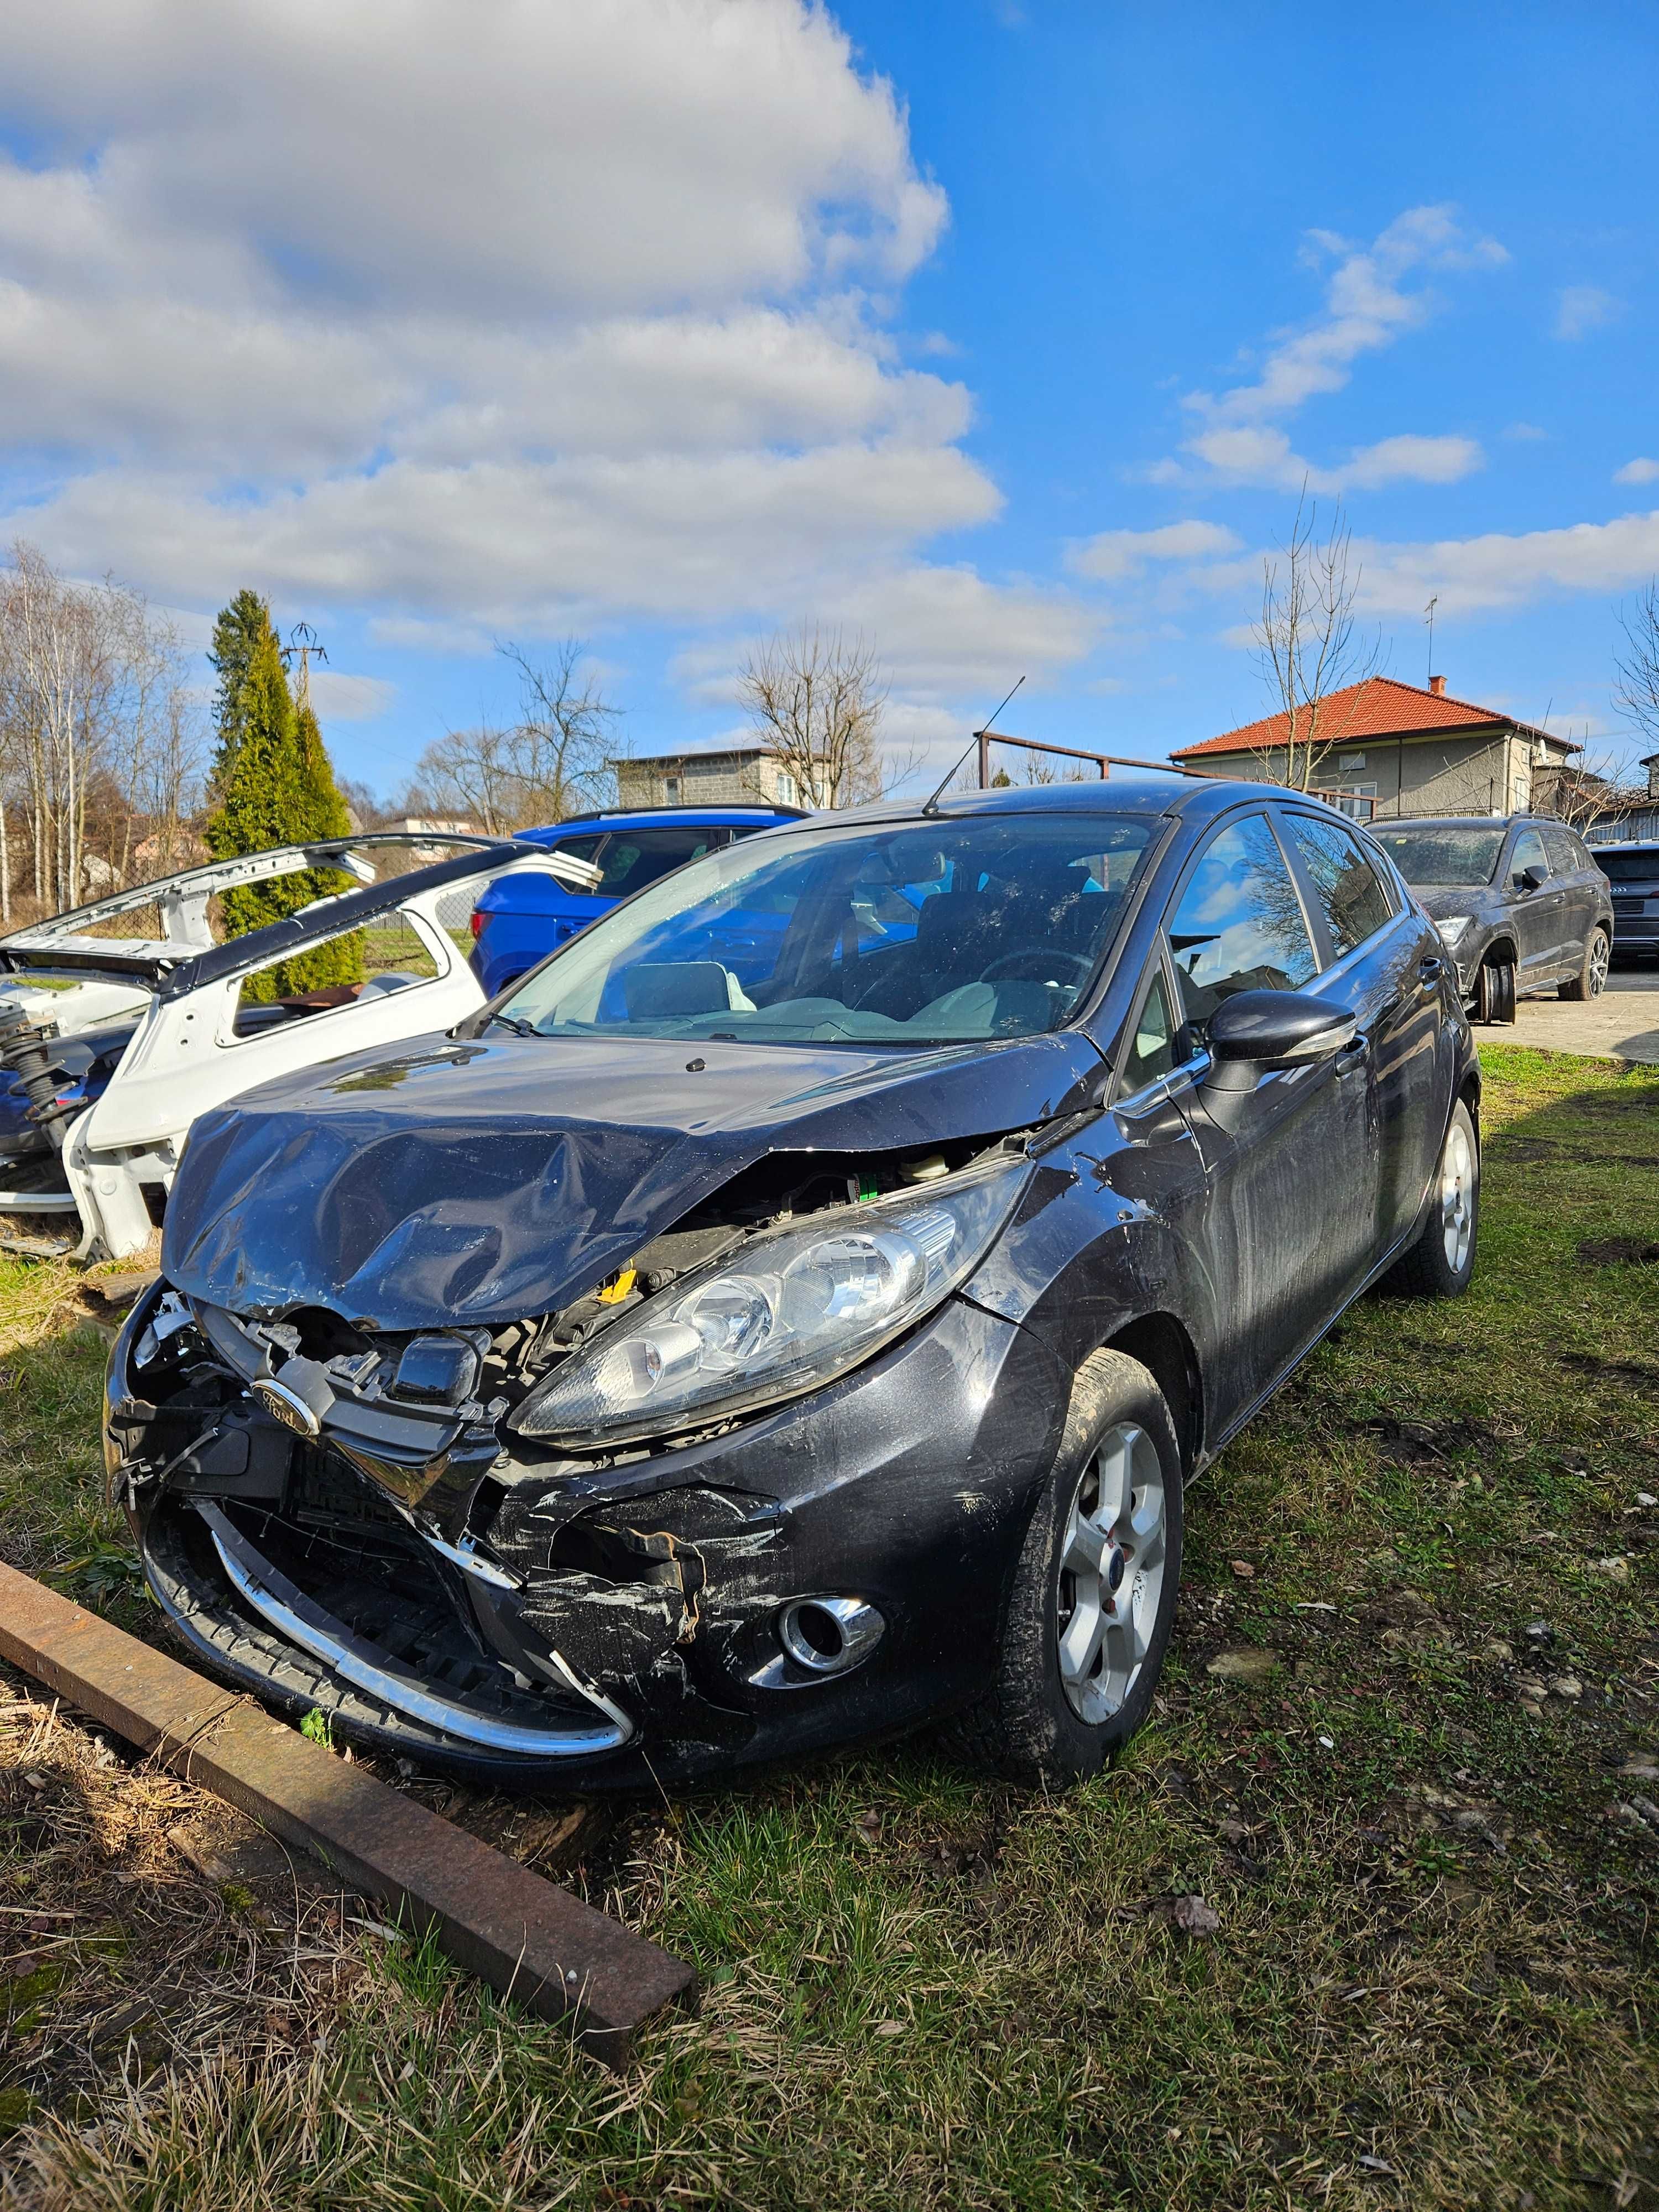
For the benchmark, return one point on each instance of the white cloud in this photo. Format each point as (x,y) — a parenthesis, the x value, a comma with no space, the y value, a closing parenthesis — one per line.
(598,155)
(531,316)
(1258,455)
(1639,471)
(1122,553)
(1368,307)
(535,545)
(946,637)
(1583,308)
(341,698)
(946,632)
(1475,575)
(1523,433)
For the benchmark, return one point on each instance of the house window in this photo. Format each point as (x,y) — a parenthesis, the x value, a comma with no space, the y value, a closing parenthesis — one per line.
(1345,761)
(671,791)
(787,788)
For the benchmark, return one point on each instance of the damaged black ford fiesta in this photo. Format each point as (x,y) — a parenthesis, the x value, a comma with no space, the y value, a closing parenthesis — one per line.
(793,1312)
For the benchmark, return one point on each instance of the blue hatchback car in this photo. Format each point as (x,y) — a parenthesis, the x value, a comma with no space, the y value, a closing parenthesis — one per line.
(522,917)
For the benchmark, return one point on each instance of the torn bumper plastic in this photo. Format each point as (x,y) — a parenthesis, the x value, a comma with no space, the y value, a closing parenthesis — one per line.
(454,1598)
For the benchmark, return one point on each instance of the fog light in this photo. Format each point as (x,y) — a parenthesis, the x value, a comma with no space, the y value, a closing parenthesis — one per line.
(828,1635)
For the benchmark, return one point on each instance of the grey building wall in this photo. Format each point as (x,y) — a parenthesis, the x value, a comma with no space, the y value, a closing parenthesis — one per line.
(748,777)
(1401,776)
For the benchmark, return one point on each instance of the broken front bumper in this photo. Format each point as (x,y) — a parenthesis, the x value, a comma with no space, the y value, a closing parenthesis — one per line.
(444,1591)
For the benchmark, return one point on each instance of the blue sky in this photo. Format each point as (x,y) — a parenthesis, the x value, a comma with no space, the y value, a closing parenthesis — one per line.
(1005,333)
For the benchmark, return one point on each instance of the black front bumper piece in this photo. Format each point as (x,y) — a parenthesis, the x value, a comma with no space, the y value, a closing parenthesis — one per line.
(533,1621)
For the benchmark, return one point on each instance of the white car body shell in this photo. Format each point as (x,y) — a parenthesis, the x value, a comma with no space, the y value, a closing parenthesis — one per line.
(185,1056)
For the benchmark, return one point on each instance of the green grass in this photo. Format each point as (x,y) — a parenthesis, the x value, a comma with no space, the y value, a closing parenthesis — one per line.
(1432,1979)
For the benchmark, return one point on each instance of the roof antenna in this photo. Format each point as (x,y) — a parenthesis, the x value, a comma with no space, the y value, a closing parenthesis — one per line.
(931,807)
(1428,617)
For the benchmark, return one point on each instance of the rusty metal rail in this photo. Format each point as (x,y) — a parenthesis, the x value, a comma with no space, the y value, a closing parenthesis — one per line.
(520,1933)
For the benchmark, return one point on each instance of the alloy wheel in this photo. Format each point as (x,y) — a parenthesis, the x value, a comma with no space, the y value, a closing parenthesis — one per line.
(1601,958)
(1111,1573)
(1457,1197)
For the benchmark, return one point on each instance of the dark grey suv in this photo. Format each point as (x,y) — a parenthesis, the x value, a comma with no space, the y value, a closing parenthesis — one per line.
(1633,871)
(1520,903)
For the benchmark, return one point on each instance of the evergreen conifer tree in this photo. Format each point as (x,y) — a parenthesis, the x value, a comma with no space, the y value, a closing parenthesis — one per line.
(273,786)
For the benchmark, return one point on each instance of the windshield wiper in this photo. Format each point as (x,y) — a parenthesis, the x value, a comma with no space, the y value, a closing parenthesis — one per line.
(517,1028)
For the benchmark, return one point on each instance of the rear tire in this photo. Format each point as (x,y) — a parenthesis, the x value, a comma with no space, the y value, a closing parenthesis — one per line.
(1441,1263)
(1591,979)
(1494,992)
(1092,1602)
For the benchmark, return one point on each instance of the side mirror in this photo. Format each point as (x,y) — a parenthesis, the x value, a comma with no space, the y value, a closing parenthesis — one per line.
(1253,1032)
(1532,879)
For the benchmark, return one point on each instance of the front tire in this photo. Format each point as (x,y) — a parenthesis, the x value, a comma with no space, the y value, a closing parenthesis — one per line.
(1494,992)
(1441,1264)
(1591,980)
(1089,1615)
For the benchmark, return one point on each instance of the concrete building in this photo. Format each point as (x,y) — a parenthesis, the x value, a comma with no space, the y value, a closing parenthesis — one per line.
(1395,748)
(747,775)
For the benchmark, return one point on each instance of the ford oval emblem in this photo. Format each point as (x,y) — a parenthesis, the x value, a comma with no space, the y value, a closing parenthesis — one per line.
(287,1406)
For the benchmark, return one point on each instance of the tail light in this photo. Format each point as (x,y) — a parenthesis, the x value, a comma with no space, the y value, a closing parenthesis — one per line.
(477,924)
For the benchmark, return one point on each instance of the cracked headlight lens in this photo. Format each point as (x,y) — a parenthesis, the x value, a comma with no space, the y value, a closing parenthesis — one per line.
(797,1307)
(1453,926)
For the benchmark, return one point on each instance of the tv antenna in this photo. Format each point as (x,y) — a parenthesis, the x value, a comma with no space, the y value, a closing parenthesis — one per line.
(931,807)
(1428,617)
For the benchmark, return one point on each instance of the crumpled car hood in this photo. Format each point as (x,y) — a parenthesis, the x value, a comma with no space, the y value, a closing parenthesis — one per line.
(475,1183)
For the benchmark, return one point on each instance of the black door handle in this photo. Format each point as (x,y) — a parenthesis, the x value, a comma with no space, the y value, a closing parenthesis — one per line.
(1353,1057)
(1430,970)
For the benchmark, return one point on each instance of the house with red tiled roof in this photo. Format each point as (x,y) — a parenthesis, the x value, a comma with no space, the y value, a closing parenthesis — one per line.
(1405,750)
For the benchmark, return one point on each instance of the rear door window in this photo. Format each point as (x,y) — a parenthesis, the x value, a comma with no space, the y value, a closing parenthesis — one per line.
(1349,891)
(634,858)
(1564,860)
(1238,924)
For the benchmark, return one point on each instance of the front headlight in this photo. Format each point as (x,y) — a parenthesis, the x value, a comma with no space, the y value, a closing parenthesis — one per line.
(1453,926)
(792,1309)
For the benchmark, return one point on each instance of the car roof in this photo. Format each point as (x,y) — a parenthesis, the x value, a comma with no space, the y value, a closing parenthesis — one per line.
(665,818)
(1147,793)
(1471,822)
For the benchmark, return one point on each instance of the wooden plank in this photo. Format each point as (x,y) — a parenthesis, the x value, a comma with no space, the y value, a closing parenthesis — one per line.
(520,1933)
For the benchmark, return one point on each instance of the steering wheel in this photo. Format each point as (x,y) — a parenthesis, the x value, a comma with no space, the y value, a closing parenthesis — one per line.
(1047,955)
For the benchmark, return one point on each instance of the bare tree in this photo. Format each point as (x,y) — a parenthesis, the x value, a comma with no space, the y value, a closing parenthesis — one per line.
(817,699)
(1637,690)
(1586,791)
(98,733)
(1307,644)
(552,763)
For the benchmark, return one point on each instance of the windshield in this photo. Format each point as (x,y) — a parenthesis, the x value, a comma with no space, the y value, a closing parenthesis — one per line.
(1641,866)
(907,934)
(1443,856)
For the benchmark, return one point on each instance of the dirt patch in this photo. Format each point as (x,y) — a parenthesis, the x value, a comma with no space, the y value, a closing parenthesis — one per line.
(1619,1252)
(1616,1370)
(1423,1444)
(1524,1148)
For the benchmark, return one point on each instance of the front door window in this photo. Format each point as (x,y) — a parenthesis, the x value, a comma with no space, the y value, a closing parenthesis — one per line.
(1239,926)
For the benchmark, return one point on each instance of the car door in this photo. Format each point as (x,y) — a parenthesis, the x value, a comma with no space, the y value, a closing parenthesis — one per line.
(1570,874)
(1538,923)
(1389,968)
(1293,1163)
